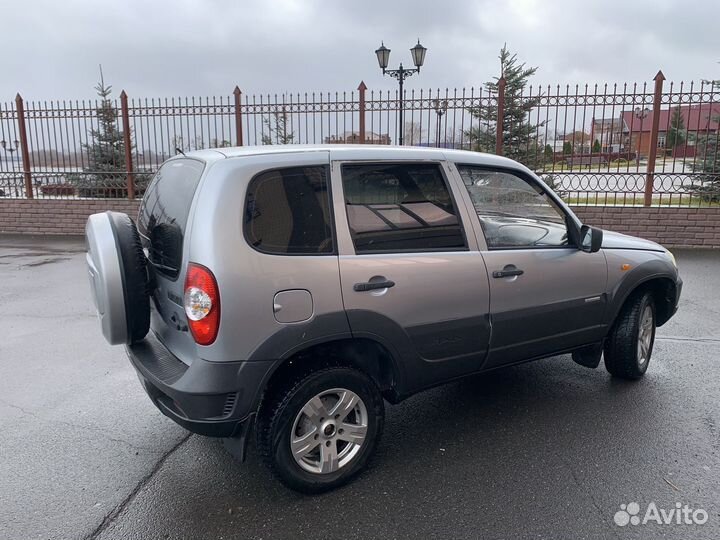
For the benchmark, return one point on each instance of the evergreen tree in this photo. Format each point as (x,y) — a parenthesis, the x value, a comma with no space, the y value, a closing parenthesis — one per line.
(278,129)
(596,148)
(567,148)
(105,174)
(519,134)
(675,136)
(548,154)
(707,162)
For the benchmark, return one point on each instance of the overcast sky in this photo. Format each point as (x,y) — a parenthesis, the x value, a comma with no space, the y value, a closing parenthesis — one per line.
(51,49)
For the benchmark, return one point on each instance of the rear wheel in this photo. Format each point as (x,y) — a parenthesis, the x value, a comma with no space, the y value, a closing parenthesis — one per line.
(321,432)
(629,346)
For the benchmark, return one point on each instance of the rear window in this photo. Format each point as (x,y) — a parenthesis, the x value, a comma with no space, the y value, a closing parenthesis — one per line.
(400,207)
(287,212)
(164,213)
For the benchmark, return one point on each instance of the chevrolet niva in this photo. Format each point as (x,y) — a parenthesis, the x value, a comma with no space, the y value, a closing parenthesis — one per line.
(290,291)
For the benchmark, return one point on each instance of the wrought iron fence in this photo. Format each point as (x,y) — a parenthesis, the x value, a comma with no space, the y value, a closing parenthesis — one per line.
(633,144)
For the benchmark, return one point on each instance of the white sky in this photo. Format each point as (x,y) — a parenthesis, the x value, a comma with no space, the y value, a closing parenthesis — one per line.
(51,48)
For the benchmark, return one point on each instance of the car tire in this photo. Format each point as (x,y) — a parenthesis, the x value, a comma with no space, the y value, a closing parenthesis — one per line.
(134,275)
(629,345)
(309,435)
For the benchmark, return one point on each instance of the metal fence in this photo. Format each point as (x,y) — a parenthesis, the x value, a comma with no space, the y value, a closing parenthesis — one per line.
(654,143)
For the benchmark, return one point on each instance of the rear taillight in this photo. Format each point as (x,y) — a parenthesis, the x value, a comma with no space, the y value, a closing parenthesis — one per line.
(202,304)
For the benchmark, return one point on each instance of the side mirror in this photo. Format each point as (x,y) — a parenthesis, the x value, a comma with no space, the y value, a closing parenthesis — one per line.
(590,239)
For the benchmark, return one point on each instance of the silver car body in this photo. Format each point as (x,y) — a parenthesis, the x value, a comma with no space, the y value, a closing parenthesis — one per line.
(446,317)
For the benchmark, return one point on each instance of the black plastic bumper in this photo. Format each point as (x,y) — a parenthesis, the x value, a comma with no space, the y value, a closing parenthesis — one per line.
(217,399)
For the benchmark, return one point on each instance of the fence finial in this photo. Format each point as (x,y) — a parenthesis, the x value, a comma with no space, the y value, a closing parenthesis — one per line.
(361,112)
(238,116)
(659,76)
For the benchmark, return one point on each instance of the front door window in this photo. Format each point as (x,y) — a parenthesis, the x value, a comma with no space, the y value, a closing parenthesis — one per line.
(514,213)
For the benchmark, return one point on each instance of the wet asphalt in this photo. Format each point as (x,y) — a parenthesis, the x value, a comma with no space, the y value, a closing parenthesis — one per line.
(544,450)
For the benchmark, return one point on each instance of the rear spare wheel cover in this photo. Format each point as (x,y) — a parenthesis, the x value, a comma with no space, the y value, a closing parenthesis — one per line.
(118,277)
(105,274)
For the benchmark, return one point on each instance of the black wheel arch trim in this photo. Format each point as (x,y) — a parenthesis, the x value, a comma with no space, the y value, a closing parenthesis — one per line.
(637,277)
(328,328)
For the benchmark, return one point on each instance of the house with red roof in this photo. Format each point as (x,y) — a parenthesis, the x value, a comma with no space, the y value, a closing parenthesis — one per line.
(698,121)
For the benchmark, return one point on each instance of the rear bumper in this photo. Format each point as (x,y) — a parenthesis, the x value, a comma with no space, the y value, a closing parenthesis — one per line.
(217,399)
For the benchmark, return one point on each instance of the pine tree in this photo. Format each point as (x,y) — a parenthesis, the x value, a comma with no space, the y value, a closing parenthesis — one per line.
(105,174)
(596,148)
(519,135)
(549,155)
(278,129)
(675,136)
(707,163)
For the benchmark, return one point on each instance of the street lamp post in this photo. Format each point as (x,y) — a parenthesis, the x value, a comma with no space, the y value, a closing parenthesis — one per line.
(418,57)
(8,148)
(640,114)
(440,109)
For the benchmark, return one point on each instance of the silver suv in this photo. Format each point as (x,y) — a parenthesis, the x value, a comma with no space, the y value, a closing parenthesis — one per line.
(295,289)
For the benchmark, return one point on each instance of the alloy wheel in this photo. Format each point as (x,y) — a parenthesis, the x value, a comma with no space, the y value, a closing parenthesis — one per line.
(645,336)
(329,431)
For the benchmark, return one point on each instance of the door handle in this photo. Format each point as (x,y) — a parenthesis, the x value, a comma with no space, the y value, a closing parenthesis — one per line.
(371,285)
(508,271)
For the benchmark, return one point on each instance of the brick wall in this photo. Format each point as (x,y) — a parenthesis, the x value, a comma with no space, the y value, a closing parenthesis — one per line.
(688,227)
(56,216)
(678,227)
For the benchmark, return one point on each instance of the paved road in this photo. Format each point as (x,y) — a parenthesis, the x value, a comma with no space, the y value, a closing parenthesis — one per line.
(545,450)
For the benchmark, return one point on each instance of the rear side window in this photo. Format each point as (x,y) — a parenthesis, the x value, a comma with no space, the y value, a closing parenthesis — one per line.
(287,212)
(164,213)
(400,207)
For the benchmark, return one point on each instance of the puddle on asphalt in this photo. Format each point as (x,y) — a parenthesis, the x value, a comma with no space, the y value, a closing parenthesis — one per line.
(36,258)
(46,261)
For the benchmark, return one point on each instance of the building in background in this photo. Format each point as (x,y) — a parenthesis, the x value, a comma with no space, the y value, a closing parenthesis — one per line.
(697,121)
(611,133)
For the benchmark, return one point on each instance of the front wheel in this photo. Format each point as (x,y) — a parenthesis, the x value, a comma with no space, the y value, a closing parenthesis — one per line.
(322,431)
(629,346)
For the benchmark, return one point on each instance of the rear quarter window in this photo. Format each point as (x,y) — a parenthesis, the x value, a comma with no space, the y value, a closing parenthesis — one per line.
(287,212)
(164,212)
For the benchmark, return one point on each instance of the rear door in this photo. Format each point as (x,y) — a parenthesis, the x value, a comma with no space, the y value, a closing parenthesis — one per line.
(411,275)
(162,224)
(546,295)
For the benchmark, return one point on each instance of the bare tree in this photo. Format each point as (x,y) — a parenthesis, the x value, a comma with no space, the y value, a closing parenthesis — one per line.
(414,134)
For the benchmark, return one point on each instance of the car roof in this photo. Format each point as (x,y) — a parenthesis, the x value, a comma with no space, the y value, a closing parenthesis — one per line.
(360,152)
